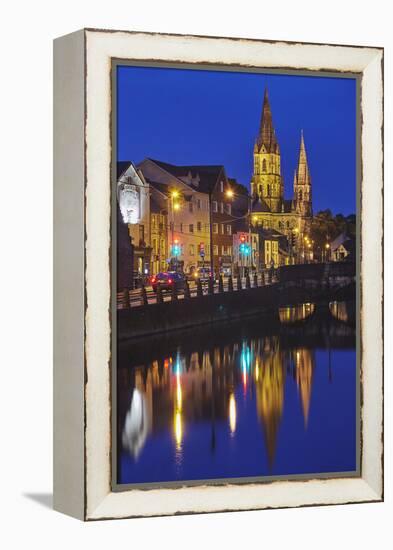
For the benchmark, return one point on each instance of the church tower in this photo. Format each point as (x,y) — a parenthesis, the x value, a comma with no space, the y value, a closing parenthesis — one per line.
(302,194)
(266,182)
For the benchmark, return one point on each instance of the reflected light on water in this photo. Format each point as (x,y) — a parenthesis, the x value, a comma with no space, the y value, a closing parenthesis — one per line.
(178,422)
(339,311)
(293,314)
(232,413)
(136,425)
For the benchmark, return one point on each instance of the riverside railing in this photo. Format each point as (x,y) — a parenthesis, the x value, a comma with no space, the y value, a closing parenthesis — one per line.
(145,295)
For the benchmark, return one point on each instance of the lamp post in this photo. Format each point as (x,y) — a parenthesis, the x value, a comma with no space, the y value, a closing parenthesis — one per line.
(211,233)
(294,232)
(174,206)
(230,194)
(327,248)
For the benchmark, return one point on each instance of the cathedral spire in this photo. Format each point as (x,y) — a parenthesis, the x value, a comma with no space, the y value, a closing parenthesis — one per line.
(302,182)
(267,135)
(303,173)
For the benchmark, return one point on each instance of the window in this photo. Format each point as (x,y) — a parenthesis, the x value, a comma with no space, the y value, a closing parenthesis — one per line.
(226,250)
(215,206)
(191,228)
(268,189)
(199,226)
(215,250)
(300,195)
(222,207)
(229,208)
(190,207)
(155,246)
(192,250)
(215,228)
(199,204)
(229,229)
(222,229)
(221,186)
(264,165)
(208,249)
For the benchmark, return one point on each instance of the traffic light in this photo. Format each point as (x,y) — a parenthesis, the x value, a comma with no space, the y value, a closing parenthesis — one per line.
(244,247)
(176,248)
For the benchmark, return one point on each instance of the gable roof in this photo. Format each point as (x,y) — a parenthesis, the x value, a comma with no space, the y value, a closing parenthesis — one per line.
(121,167)
(208,173)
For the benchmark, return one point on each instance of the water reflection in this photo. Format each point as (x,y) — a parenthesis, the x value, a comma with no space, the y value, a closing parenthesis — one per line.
(296,313)
(183,399)
(341,311)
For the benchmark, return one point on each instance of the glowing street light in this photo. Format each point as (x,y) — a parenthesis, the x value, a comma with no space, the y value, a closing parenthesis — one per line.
(229,193)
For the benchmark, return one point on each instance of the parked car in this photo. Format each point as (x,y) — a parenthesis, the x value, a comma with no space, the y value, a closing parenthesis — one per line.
(202,273)
(167,280)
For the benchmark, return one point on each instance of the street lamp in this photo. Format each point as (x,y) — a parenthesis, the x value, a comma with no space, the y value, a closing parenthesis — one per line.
(327,247)
(175,206)
(230,194)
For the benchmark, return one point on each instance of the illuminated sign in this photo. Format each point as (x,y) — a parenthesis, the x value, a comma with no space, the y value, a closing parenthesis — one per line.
(129,202)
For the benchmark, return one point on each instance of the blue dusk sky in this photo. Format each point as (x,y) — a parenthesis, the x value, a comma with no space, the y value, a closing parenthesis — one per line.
(185,116)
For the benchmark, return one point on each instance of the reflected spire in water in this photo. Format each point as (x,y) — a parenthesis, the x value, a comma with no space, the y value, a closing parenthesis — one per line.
(304,367)
(269,381)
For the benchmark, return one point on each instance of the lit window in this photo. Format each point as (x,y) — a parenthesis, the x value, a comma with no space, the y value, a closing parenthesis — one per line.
(229,230)
(215,250)
(215,228)
(222,229)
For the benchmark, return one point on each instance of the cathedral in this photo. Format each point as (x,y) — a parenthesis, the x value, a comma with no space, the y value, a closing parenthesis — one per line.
(270,210)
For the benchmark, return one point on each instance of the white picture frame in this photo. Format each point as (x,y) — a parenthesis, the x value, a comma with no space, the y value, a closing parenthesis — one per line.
(82,257)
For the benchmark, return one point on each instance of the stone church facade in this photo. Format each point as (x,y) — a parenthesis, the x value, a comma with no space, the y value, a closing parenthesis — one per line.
(270,210)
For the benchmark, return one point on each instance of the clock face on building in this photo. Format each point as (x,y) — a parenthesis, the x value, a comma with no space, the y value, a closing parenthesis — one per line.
(129,201)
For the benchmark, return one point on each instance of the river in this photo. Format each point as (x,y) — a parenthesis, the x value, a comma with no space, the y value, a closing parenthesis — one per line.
(258,398)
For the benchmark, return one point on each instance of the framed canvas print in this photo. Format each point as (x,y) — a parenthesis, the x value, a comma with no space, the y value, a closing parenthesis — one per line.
(218,274)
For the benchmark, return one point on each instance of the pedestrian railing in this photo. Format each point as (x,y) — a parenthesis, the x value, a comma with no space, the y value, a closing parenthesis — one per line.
(145,295)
